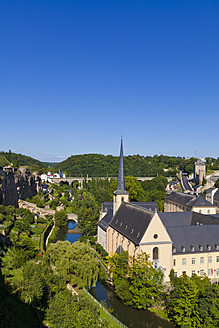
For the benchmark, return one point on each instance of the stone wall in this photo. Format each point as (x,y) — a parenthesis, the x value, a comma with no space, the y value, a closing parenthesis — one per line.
(17,184)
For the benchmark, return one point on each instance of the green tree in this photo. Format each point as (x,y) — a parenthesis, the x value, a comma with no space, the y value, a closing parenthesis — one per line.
(88,213)
(183,302)
(208,306)
(67,311)
(136,281)
(134,188)
(77,263)
(61,219)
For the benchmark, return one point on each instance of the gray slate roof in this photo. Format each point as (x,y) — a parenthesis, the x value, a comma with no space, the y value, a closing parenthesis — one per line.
(152,206)
(104,222)
(106,206)
(174,219)
(131,221)
(199,202)
(188,200)
(196,235)
(177,219)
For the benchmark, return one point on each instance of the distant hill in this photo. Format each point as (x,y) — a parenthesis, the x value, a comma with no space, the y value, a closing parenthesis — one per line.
(21,160)
(97,165)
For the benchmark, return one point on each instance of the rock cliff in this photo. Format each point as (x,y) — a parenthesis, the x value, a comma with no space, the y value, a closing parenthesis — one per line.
(17,184)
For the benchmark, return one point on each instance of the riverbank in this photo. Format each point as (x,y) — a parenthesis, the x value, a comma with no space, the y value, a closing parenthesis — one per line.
(75,230)
(131,317)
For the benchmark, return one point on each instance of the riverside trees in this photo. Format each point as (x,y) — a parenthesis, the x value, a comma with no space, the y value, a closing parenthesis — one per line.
(191,302)
(136,281)
(42,281)
(76,263)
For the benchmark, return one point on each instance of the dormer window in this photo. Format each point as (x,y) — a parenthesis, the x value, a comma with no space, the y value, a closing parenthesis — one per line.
(200,247)
(132,231)
(116,221)
(208,247)
(216,247)
(192,248)
(120,224)
(174,249)
(183,249)
(138,234)
(126,227)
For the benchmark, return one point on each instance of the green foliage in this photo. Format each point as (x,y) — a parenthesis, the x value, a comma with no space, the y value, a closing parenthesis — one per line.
(3,161)
(61,219)
(193,302)
(67,311)
(31,285)
(134,188)
(155,190)
(217,184)
(22,250)
(20,160)
(136,281)
(77,263)
(88,212)
(97,165)
(100,189)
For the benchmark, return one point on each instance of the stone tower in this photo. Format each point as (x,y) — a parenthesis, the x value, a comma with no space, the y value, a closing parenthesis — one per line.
(120,195)
(199,171)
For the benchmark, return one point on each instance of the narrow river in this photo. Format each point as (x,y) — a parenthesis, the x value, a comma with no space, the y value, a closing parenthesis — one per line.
(132,318)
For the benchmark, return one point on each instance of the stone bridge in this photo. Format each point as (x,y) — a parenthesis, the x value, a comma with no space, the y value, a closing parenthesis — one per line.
(81,179)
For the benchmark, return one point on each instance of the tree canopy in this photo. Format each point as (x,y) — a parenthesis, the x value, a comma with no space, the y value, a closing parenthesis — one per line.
(136,281)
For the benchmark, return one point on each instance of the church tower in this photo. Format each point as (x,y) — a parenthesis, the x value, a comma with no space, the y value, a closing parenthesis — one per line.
(120,195)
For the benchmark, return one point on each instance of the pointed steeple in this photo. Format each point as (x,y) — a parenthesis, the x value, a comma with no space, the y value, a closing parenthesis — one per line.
(121,179)
(120,195)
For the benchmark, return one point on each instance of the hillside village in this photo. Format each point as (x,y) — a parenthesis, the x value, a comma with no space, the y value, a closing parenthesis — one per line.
(177,233)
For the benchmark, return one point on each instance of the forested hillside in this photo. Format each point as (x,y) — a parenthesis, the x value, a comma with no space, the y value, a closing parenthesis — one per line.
(97,165)
(7,158)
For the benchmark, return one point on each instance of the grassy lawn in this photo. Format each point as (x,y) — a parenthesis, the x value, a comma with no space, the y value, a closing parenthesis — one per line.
(112,323)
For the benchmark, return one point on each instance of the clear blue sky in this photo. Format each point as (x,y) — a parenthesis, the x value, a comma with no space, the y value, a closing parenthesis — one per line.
(76,74)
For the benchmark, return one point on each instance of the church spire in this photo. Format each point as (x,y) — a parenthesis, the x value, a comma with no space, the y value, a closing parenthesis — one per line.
(120,195)
(121,179)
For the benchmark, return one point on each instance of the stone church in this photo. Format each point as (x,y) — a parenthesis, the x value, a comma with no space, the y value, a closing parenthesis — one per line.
(186,241)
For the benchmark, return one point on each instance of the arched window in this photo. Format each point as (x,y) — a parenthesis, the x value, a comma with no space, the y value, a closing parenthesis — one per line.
(122,199)
(155,253)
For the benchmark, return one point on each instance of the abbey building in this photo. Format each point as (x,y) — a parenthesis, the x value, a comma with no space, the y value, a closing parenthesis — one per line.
(185,241)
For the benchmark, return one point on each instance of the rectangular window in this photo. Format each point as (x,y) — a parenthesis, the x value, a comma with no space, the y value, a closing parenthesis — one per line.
(210,272)
(175,274)
(217,259)
(183,261)
(193,260)
(201,260)
(193,272)
(202,273)
(210,259)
